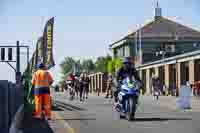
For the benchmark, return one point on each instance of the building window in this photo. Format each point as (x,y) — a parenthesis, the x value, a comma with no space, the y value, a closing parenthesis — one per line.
(123,48)
(123,51)
(169,47)
(127,51)
(196,45)
(120,52)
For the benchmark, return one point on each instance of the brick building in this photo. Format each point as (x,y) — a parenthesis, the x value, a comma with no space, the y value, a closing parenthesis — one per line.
(165,48)
(161,34)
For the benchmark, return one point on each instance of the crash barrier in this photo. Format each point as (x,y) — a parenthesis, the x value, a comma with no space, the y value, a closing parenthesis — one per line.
(10,101)
(16,123)
(98,83)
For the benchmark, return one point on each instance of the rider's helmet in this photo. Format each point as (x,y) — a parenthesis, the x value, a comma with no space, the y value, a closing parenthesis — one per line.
(127,62)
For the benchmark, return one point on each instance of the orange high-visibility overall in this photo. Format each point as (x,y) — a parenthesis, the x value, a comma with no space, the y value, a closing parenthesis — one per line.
(41,82)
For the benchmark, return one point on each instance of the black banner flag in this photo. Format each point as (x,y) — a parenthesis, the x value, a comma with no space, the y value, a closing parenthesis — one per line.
(48,43)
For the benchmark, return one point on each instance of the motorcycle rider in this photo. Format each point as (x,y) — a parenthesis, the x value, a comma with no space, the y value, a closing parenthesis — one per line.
(127,70)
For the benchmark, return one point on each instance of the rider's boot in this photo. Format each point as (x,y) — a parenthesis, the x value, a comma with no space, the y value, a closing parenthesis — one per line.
(117,106)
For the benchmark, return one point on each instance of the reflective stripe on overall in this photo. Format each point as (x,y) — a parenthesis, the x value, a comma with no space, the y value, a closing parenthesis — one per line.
(41,83)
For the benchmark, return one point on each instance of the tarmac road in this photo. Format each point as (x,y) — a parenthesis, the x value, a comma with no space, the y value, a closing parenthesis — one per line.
(97,116)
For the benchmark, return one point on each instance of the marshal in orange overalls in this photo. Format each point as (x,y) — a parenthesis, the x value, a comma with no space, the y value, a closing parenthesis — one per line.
(41,81)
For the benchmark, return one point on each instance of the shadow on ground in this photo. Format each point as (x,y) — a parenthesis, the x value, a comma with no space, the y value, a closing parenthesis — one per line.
(34,125)
(160,119)
(56,108)
(77,119)
(68,107)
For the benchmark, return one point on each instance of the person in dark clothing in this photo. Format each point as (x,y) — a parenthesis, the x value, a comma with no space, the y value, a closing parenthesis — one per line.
(109,86)
(127,70)
(156,86)
(77,85)
(85,85)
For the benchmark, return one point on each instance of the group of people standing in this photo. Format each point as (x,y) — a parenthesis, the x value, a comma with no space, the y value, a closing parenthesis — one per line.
(79,85)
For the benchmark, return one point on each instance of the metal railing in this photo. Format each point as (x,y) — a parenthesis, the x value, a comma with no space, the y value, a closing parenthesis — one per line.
(10,101)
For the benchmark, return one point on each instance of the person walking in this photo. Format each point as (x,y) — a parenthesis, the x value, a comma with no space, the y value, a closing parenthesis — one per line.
(156,85)
(77,85)
(109,85)
(81,86)
(41,82)
(87,82)
(84,86)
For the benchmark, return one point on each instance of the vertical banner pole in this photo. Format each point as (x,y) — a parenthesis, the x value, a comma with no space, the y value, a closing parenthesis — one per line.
(18,58)
(19,90)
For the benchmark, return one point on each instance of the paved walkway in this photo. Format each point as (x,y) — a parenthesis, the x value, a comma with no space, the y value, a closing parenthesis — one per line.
(33,125)
(95,115)
(56,125)
(71,116)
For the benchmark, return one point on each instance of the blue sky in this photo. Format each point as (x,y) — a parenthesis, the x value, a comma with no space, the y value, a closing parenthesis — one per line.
(83,29)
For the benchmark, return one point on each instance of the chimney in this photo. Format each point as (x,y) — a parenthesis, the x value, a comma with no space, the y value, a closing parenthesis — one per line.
(158,12)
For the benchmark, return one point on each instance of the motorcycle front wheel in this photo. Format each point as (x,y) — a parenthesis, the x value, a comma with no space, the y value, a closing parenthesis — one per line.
(130,115)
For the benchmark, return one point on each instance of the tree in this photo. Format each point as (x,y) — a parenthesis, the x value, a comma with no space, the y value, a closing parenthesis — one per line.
(118,63)
(71,65)
(88,65)
(67,66)
(114,65)
(111,67)
(102,63)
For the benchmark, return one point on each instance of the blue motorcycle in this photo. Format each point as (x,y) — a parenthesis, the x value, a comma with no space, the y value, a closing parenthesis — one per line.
(128,98)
